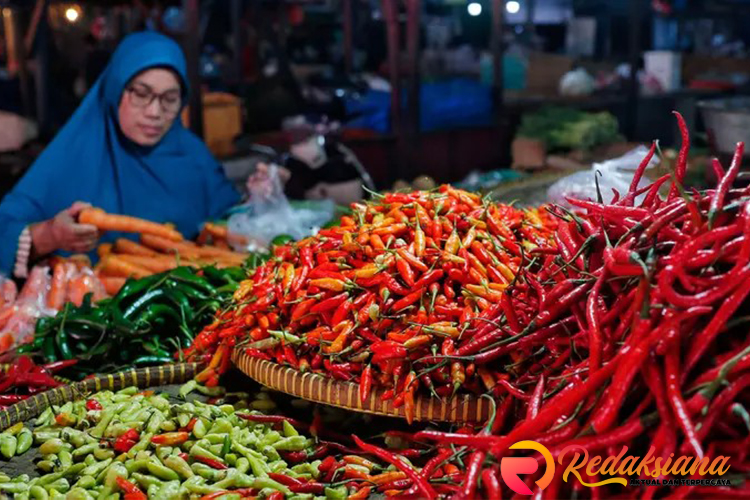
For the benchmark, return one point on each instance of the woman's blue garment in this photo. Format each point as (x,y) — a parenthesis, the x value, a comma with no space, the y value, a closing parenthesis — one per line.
(90,160)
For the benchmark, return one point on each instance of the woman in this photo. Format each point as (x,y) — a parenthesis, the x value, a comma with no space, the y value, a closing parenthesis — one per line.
(123,150)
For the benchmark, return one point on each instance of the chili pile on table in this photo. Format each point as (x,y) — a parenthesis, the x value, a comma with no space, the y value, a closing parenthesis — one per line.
(616,324)
(389,296)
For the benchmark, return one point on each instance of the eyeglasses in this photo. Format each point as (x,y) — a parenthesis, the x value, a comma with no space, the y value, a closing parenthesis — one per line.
(141,96)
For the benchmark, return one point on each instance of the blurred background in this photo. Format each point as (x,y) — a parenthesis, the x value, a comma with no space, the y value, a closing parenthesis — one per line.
(420,91)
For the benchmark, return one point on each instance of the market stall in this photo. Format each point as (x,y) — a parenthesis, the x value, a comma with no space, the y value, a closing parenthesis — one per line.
(408,349)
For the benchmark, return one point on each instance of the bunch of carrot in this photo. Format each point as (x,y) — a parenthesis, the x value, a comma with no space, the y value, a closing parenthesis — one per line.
(161,248)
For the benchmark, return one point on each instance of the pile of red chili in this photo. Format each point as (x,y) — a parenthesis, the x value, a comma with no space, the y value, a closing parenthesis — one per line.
(391,295)
(644,315)
(618,324)
(24,378)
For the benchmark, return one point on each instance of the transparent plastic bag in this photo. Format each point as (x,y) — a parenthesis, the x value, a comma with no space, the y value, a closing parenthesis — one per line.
(30,305)
(268,214)
(615,174)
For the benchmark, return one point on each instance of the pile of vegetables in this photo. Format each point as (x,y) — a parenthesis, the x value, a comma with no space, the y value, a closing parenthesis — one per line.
(643,314)
(390,297)
(138,445)
(143,324)
(161,248)
(565,129)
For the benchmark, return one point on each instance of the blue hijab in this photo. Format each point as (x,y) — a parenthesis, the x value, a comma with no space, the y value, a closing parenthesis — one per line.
(90,160)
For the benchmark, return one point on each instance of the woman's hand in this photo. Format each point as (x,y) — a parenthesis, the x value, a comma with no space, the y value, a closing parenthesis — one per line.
(63,233)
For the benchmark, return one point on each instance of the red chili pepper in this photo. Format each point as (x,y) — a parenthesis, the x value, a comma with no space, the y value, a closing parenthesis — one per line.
(59,365)
(365,384)
(311,487)
(126,441)
(93,404)
(330,303)
(408,300)
(132,492)
(214,464)
(170,438)
(423,486)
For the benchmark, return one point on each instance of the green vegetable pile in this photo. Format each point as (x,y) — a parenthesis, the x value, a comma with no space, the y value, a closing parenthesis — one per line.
(564,129)
(138,444)
(143,324)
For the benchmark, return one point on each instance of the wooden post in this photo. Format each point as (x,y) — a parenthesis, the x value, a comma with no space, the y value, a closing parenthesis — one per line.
(237,38)
(635,14)
(39,8)
(42,77)
(390,13)
(348,36)
(413,9)
(17,55)
(498,7)
(192,45)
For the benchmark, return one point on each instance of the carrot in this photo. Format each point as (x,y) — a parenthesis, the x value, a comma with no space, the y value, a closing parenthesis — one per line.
(124,245)
(62,273)
(190,250)
(113,222)
(8,292)
(112,284)
(157,263)
(114,265)
(104,250)
(163,245)
(217,231)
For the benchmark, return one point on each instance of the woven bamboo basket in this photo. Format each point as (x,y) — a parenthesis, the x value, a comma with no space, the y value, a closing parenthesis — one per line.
(142,377)
(321,389)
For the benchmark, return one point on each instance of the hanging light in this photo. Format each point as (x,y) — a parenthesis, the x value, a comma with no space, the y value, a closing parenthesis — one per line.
(513,7)
(474,8)
(73,13)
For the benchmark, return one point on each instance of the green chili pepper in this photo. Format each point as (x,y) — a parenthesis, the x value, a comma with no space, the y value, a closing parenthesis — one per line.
(186,275)
(162,472)
(14,487)
(25,440)
(144,300)
(38,493)
(226,446)
(266,482)
(8,445)
(145,481)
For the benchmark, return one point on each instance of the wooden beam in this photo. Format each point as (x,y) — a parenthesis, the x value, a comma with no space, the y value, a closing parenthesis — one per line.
(634,56)
(42,77)
(36,16)
(192,45)
(390,13)
(347,22)
(413,9)
(237,38)
(498,7)
(16,54)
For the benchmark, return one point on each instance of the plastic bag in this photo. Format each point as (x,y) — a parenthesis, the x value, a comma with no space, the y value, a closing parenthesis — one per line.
(19,317)
(615,174)
(269,214)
